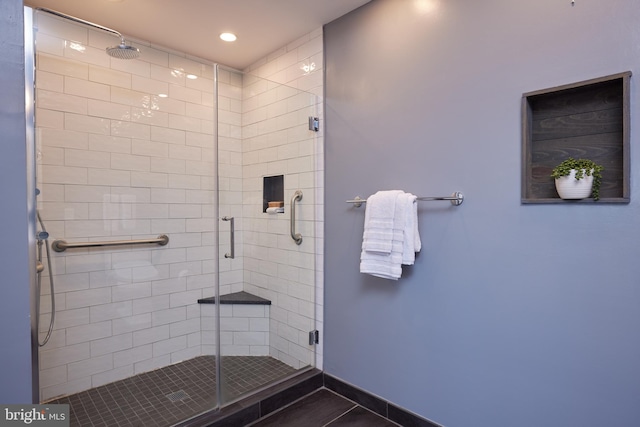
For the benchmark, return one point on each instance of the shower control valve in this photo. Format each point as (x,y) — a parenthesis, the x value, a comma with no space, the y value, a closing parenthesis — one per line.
(42,235)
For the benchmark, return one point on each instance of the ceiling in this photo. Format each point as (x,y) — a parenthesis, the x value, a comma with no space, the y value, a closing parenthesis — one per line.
(194,26)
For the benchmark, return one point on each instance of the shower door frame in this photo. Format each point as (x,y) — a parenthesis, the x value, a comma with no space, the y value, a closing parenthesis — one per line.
(30,144)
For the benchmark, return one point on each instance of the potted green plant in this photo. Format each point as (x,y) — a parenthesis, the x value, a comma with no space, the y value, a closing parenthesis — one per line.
(577,179)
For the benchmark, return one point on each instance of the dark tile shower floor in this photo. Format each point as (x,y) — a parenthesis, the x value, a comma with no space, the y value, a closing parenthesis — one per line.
(171,394)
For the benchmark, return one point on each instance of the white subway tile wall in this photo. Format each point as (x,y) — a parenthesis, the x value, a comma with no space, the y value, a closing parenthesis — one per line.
(116,160)
(244,329)
(280,92)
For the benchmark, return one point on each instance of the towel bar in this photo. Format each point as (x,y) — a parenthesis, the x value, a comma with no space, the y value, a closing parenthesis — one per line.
(456,199)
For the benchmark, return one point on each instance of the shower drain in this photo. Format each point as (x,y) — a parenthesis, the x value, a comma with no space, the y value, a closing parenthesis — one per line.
(177,396)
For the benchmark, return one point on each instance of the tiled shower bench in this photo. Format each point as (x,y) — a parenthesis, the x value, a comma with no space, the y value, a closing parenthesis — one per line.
(244,323)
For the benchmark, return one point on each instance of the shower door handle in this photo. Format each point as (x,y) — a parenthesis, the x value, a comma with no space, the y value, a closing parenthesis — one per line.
(232,253)
(297,237)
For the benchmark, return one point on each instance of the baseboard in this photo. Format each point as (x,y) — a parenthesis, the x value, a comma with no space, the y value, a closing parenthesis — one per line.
(259,405)
(376,404)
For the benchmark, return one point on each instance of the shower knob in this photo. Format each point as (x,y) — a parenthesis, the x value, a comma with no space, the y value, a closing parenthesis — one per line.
(42,235)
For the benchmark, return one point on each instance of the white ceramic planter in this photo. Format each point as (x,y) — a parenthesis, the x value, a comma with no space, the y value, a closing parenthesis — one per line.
(569,187)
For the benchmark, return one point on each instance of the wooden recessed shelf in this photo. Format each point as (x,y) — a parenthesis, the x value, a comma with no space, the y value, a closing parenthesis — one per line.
(588,119)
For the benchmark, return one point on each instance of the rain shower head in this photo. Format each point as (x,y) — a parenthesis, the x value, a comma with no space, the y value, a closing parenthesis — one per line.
(122,51)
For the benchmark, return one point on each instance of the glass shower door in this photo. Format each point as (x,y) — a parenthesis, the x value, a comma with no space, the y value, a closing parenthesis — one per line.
(267,236)
(126,173)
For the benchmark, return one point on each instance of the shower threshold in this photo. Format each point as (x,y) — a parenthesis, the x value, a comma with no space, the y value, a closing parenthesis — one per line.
(172,394)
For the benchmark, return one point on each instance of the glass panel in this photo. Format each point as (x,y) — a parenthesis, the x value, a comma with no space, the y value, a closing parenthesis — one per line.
(266,154)
(126,150)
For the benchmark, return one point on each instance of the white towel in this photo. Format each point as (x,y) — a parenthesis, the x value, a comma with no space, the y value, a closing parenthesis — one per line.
(275,210)
(378,221)
(405,240)
(376,265)
(412,242)
(388,265)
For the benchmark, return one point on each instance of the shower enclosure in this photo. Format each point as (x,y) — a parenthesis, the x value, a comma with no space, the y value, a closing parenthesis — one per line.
(171,191)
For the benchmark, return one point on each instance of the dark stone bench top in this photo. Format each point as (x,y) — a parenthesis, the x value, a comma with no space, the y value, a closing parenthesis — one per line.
(241,297)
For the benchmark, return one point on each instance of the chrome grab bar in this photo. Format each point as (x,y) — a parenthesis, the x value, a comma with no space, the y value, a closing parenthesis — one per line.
(297,237)
(62,245)
(232,238)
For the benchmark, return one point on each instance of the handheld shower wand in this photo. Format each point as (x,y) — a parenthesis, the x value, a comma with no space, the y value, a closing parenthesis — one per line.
(42,237)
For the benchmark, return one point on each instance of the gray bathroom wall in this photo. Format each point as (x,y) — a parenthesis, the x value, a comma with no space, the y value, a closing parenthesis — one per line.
(513,315)
(15,323)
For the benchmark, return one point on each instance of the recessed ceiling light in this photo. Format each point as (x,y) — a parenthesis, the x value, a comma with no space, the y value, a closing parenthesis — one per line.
(228,37)
(163,95)
(192,76)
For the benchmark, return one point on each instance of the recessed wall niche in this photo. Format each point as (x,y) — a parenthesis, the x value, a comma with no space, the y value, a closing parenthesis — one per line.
(272,190)
(588,119)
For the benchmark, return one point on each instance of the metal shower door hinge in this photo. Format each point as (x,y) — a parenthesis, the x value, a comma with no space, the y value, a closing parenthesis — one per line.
(314,123)
(314,337)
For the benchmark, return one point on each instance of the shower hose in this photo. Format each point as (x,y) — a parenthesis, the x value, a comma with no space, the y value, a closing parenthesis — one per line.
(43,237)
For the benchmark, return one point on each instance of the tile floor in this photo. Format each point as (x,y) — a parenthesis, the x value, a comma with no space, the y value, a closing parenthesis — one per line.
(171,394)
(323,408)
